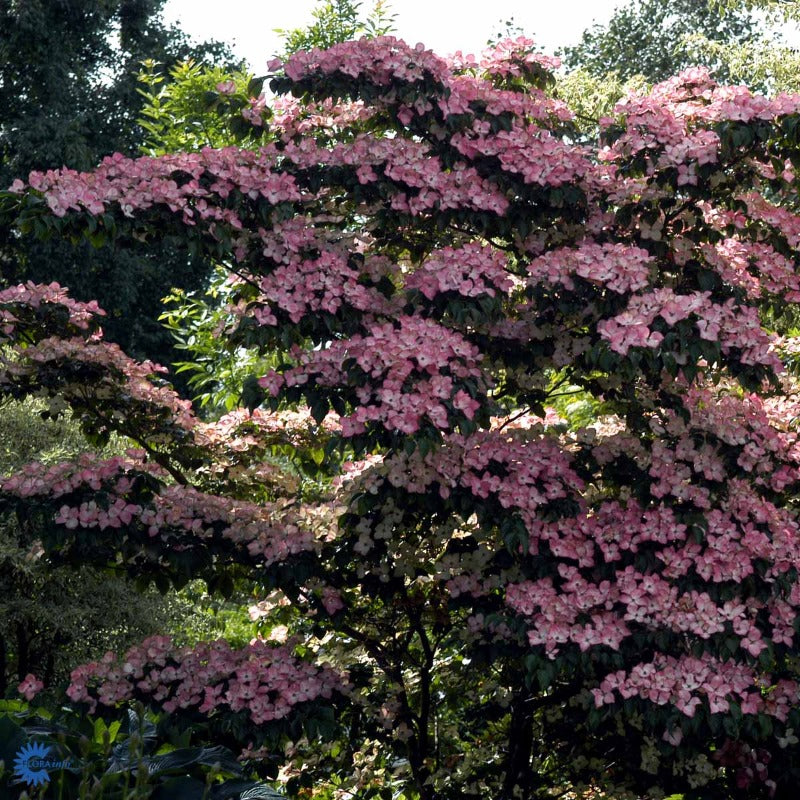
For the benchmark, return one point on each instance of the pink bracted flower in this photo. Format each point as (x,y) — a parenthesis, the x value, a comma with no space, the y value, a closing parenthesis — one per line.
(30,687)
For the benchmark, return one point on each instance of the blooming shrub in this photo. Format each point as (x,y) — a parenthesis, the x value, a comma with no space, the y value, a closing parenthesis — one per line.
(510,604)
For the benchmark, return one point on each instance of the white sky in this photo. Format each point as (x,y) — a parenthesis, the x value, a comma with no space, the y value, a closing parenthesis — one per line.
(442,25)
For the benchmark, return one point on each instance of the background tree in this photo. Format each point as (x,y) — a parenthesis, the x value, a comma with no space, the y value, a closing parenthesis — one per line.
(645,42)
(772,65)
(646,37)
(68,97)
(786,9)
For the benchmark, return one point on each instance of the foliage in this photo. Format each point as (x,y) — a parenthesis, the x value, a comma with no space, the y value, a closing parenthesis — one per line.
(201,106)
(216,373)
(772,65)
(197,106)
(463,594)
(129,757)
(591,98)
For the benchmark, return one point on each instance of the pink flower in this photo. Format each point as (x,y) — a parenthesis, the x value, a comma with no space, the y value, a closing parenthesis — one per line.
(332,600)
(30,687)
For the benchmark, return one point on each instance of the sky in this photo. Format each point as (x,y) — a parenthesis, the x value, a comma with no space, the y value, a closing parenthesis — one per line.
(442,25)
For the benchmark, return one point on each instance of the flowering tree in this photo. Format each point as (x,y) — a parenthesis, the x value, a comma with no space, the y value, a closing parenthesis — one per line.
(481,598)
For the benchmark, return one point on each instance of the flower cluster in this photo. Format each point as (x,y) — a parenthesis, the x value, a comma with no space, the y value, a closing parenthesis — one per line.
(380,61)
(618,267)
(30,687)
(401,376)
(295,119)
(590,614)
(522,472)
(689,683)
(741,104)
(192,183)
(470,95)
(664,117)
(265,680)
(754,266)
(514,57)
(115,378)
(19,303)
(734,326)
(761,430)
(266,533)
(540,157)
(783,220)
(39,480)
(326,283)
(421,181)
(240,430)
(470,271)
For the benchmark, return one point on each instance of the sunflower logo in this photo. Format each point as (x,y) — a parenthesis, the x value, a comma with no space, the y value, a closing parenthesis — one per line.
(29,764)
